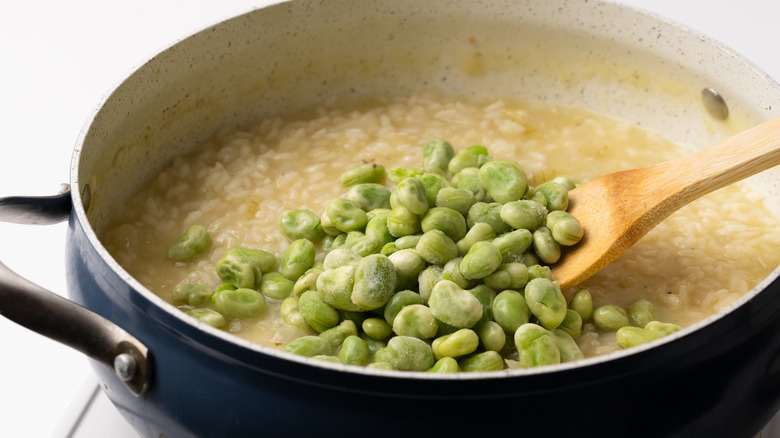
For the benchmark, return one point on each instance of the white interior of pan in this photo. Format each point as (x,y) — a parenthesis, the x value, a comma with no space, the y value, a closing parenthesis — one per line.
(610,59)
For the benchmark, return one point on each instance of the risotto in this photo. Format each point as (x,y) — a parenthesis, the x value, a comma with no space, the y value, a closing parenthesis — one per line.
(238,185)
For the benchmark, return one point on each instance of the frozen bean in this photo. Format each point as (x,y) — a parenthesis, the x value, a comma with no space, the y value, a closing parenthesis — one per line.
(336,335)
(523,214)
(367,173)
(436,248)
(398,301)
(415,320)
(449,221)
(208,316)
(454,306)
(445,365)
(545,247)
(505,181)
(317,313)
(309,346)
(190,244)
(510,310)
(354,351)
(275,285)
(536,346)
(641,312)
(546,302)
(241,303)
(484,361)
(301,224)
(480,231)
(406,353)
(374,282)
(610,317)
(582,303)
(194,295)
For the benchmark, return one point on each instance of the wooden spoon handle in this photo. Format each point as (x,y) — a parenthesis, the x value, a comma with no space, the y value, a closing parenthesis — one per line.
(617,209)
(687,178)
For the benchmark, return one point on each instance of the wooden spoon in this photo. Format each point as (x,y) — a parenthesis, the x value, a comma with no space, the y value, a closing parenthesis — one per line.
(617,209)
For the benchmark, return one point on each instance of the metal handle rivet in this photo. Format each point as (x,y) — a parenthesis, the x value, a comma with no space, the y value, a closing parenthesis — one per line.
(125,367)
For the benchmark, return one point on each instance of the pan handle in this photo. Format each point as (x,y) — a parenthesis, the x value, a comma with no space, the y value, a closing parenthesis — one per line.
(57,318)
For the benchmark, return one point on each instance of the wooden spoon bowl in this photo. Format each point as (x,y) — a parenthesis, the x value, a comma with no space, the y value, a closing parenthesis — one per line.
(617,209)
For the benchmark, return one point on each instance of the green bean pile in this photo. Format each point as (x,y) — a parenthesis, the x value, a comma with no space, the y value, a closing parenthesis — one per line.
(447,272)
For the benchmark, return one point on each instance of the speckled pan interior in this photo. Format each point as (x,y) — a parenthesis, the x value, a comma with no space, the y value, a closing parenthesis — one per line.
(605,57)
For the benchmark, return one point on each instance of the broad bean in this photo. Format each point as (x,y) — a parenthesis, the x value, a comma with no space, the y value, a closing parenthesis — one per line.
(301,224)
(582,303)
(367,173)
(556,195)
(641,312)
(513,244)
(484,361)
(610,317)
(402,222)
(523,214)
(208,316)
(444,365)
(335,286)
(370,197)
(354,351)
(346,215)
(630,336)
(504,180)
(662,328)
(482,260)
(408,265)
(291,314)
(451,271)
(194,295)
(536,346)
(374,282)
(436,248)
(489,213)
(275,285)
(460,200)
(411,194)
(377,328)
(568,348)
(415,320)
(241,303)
(436,156)
(572,324)
(480,231)
(308,281)
(406,353)
(546,302)
(398,301)
(472,156)
(309,346)
(545,247)
(190,244)
(449,221)
(510,310)
(454,306)
(491,335)
(336,335)
(297,259)
(317,313)
(565,228)
(508,276)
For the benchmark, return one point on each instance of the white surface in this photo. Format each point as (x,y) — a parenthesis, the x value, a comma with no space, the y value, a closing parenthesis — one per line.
(59,58)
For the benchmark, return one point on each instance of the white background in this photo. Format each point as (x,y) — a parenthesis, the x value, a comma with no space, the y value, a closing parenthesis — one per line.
(57,60)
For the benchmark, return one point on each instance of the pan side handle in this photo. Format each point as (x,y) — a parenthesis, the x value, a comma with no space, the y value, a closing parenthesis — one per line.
(57,318)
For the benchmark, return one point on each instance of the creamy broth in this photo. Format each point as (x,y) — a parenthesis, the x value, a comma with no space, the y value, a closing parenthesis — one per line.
(696,262)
